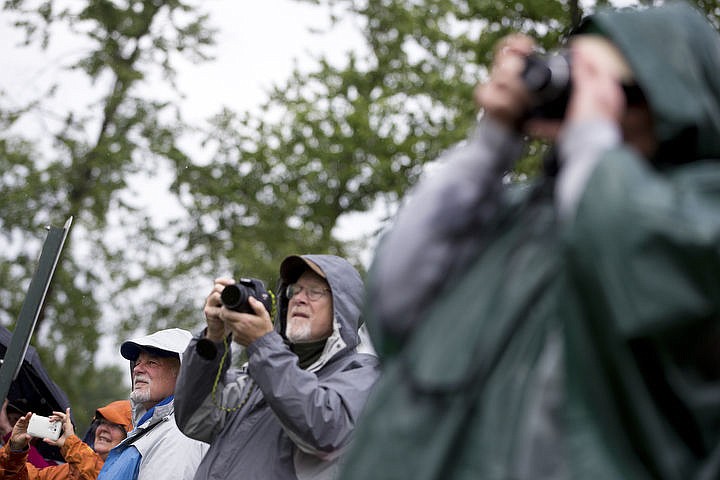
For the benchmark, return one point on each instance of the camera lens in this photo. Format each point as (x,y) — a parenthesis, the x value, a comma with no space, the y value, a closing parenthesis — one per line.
(547,78)
(234,296)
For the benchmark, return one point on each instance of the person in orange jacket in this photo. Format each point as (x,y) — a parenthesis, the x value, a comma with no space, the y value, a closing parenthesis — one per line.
(112,424)
(9,414)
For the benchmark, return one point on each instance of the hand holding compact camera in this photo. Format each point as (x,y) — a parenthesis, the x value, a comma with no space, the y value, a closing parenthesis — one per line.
(43,427)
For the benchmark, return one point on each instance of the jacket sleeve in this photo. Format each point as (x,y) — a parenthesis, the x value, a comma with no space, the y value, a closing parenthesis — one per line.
(318,415)
(582,145)
(434,228)
(13,464)
(196,411)
(84,463)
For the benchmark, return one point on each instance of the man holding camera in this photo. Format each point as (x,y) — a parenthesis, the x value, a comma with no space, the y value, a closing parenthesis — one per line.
(566,328)
(155,448)
(291,410)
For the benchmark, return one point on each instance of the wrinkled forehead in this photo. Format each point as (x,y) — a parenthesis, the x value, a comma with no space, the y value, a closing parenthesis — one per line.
(162,358)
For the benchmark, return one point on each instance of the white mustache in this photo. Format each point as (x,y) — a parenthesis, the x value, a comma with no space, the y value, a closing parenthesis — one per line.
(141,378)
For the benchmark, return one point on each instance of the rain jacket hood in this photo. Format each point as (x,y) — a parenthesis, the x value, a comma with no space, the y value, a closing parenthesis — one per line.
(681,86)
(118,412)
(347,294)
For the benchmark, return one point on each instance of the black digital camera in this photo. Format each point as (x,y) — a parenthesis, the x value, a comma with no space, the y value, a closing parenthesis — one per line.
(235,297)
(547,78)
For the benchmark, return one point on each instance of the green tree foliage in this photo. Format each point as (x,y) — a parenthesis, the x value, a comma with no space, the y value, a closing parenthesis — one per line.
(81,164)
(339,139)
(346,138)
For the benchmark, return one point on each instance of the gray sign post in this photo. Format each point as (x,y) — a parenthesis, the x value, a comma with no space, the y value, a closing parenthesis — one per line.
(32,306)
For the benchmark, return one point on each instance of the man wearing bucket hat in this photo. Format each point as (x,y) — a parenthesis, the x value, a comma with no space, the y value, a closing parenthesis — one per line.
(155,448)
(110,426)
(291,410)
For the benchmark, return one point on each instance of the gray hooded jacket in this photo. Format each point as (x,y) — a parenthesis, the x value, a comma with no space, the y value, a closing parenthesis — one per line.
(271,419)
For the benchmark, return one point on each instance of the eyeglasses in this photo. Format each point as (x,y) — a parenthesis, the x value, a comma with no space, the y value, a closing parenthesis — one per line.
(313,293)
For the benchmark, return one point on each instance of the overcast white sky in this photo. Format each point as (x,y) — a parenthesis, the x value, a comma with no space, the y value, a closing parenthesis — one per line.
(257,43)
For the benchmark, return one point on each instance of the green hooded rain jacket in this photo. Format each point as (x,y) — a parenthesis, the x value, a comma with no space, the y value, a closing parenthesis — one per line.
(517,344)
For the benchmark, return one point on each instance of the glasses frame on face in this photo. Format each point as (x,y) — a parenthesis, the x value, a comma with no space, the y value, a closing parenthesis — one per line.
(312,293)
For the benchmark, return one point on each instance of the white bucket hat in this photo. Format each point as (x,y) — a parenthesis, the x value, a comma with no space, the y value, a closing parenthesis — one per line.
(170,342)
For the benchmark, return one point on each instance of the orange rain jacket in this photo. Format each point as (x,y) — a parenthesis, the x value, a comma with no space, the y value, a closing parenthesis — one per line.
(82,464)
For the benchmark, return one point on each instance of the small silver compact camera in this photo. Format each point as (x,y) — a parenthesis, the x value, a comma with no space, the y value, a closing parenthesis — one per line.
(42,427)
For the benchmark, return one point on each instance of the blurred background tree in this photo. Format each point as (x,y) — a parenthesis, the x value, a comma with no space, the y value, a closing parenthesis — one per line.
(82,163)
(330,142)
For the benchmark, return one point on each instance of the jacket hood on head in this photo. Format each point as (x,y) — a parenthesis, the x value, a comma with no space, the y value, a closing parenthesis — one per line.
(675,55)
(347,294)
(118,412)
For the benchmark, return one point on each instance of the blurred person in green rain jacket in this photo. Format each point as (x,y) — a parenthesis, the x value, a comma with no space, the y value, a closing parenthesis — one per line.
(565,328)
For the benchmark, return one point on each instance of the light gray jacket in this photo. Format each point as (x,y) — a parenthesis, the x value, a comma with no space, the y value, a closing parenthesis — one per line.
(166,452)
(271,419)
